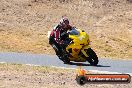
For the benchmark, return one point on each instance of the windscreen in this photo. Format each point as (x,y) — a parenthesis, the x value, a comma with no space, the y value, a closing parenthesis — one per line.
(74,32)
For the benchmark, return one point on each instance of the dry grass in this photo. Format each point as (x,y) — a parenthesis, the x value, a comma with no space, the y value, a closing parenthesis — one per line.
(24,24)
(25,76)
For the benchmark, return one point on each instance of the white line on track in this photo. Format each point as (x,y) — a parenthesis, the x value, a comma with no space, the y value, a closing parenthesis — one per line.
(95,71)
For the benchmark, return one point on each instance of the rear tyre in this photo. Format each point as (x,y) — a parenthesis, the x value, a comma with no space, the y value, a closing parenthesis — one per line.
(66,60)
(92,59)
(60,58)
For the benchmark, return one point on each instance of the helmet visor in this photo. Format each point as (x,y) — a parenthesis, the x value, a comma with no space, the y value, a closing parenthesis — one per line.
(66,22)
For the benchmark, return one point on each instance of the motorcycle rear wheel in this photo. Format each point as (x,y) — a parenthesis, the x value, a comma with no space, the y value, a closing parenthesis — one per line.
(65,59)
(92,59)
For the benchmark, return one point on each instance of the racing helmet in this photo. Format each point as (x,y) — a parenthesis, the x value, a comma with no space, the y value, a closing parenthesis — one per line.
(64,22)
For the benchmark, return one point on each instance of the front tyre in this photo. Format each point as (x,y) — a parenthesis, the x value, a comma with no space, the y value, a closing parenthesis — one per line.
(92,59)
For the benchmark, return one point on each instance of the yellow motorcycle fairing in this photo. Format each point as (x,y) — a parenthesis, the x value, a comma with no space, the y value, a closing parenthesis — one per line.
(83,50)
(80,42)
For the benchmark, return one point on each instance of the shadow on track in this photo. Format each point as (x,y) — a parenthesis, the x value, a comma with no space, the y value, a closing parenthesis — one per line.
(83,64)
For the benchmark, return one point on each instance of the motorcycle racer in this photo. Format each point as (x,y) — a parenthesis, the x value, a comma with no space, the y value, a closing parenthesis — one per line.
(58,36)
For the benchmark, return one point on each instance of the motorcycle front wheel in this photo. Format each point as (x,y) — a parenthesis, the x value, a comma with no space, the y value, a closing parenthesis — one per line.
(92,59)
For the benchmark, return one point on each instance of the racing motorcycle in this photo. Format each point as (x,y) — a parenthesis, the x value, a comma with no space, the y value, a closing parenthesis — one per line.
(79,48)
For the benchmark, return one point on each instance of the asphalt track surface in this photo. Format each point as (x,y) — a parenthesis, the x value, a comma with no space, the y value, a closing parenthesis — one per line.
(105,65)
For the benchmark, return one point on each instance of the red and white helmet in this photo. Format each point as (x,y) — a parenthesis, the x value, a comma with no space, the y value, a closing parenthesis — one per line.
(64,22)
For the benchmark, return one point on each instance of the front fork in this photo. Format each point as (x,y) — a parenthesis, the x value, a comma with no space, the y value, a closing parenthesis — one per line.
(83,50)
